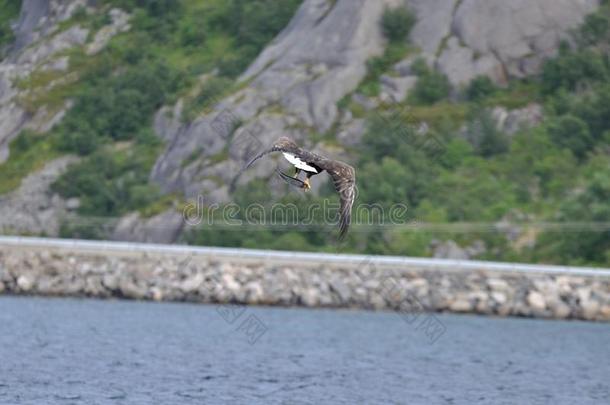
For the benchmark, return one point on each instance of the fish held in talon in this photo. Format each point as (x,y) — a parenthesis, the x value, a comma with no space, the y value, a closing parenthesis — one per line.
(292,181)
(342,174)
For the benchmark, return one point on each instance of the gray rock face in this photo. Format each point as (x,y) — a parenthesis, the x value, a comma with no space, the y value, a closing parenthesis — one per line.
(511,121)
(33,208)
(397,88)
(33,12)
(35,46)
(504,39)
(293,87)
(319,58)
(38,47)
(162,228)
(41,52)
(38,18)
(434,23)
(496,38)
(461,66)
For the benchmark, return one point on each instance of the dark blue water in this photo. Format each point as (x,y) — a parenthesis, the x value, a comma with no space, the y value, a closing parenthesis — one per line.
(66,351)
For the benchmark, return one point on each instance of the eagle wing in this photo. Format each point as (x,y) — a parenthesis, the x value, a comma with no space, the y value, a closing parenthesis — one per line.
(287,145)
(343,175)
(344,179)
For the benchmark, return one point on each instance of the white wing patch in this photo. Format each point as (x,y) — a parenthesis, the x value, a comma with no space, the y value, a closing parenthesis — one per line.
(298,163)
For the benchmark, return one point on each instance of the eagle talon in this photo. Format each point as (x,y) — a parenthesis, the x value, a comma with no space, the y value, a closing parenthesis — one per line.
(306,185)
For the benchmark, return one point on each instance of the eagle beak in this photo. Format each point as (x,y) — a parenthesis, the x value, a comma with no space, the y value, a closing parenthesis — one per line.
(307,185)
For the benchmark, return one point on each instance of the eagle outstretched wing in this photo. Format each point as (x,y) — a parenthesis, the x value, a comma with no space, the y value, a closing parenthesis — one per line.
(342,174)
(287,145)
(344,180)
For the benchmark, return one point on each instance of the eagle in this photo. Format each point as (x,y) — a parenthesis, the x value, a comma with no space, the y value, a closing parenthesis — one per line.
(342,174)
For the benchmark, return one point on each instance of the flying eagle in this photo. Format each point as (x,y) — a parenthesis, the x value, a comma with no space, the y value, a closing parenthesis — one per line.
(343,175)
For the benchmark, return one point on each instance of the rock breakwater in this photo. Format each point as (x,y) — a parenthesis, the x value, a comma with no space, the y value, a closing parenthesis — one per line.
(221,279)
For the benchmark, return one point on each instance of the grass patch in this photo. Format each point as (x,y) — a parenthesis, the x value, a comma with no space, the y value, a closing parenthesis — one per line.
(445,111)
(517,95)
(28,152)
(158,206)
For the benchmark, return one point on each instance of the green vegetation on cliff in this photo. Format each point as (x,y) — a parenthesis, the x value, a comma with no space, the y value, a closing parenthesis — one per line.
(466,170)
(461,169)
(117,92)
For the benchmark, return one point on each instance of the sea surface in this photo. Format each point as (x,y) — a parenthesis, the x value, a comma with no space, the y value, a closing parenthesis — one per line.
(70,351)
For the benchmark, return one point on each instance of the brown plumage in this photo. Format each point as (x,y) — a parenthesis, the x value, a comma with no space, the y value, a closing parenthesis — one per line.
(342,174)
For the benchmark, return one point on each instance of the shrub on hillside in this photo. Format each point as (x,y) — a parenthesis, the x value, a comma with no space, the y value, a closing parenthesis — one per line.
(397,23)
(573,69)
(572,133)
(479,88)
(109,183)
(589,205)
(431,86)
(485,136)
(596,27)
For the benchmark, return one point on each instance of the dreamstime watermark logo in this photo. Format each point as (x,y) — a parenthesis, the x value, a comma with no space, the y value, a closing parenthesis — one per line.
(229,126)
(251,326)
(326,212)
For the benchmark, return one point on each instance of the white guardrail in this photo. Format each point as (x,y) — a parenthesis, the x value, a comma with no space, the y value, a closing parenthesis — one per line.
(281,256)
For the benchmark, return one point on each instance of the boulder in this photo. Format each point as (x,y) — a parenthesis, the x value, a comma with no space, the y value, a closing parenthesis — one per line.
(397,87)
(536,301)
(25,283)
(560,309)
(461,305)
(512,121)
(342,291)
(449,250)
(162,228)
(461,64)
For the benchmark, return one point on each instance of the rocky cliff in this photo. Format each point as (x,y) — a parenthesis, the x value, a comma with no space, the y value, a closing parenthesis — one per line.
(37,44)
(40,50)
(294,85)
(292,88)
